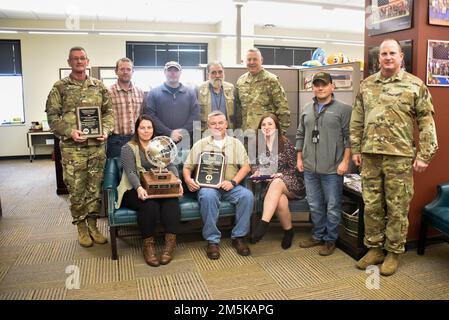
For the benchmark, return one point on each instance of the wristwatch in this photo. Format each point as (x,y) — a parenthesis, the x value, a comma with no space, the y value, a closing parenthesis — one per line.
(234,183)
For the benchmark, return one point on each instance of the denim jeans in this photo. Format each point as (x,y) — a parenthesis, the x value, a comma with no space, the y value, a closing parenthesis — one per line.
(324,195)
(209,201)
(114,145)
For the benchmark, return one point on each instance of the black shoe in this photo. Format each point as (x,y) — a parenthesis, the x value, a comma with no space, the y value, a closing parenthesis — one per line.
(261,229)
(287,239)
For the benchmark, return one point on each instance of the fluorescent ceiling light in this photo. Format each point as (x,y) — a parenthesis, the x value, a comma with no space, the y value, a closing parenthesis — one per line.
(8,31)
(57,32)
(125,34)
(348,43)
(305,41)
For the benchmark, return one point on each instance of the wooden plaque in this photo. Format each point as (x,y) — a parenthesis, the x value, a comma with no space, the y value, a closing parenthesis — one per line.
(210,169)
(89,121)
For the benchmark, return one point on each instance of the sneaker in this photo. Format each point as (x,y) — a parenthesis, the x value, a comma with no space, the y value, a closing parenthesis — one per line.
(327,249)
(310,243)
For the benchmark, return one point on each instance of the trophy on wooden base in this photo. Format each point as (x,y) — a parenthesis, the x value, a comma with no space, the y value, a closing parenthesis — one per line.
(160,182)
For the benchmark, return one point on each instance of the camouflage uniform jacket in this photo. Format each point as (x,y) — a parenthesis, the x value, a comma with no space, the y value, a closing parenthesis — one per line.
(384,113)
(258,95)
(65,96)
(205,101)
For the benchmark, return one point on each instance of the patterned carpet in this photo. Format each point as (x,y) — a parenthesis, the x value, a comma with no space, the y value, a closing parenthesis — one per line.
(38,246)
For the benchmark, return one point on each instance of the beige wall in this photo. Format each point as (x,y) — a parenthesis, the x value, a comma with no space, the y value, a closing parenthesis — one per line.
(43,55)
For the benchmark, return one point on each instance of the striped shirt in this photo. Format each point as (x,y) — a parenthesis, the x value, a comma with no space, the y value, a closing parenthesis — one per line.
(127,106)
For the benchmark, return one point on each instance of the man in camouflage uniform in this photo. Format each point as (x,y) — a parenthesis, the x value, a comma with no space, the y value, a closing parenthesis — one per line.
(216,95)
(381,131)
(259,92)
(82,158)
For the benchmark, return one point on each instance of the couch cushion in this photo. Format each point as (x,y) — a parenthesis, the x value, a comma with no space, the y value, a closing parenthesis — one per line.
(438,218)
(190,210)
(298,205)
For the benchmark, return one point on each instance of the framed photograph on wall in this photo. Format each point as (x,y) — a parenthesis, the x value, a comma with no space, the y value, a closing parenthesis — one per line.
(438,63)
(439,12)
(407,63)
(388,16)
(65,72)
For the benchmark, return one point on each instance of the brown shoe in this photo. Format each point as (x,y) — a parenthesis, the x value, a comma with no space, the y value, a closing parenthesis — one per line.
(240,245)
(213,251)
(327,248)
(309,243)
(169,247)
(149,252)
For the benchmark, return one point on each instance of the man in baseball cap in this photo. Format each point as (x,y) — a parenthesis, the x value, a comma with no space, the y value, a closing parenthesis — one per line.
(172,64)
(173,106)
(322,76)
(322,142)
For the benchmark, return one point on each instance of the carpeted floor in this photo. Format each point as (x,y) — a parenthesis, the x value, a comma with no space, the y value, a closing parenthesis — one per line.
(38,245)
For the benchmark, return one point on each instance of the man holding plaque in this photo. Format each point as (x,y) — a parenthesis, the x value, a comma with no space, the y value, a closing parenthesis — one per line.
(80,114)
(215,181)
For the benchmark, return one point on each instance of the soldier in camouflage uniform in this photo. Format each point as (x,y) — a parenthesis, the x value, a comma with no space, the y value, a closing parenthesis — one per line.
(381,131)
(259,92)
(82,158)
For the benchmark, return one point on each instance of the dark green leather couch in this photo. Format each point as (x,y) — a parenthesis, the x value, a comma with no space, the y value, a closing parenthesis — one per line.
(125,217)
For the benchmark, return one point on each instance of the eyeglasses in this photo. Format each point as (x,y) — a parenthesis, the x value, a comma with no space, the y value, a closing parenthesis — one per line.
(79,59)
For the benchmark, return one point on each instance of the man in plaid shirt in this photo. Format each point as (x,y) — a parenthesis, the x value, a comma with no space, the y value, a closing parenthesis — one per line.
(127,100)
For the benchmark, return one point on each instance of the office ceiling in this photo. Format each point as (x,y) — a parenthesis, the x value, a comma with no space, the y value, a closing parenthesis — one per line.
(323,15)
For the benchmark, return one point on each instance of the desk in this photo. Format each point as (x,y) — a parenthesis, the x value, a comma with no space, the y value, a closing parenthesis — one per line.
(38,138)
(353,246)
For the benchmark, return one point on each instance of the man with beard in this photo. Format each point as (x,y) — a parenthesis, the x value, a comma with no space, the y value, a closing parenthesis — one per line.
(216,95)
(173,106)
(127,100)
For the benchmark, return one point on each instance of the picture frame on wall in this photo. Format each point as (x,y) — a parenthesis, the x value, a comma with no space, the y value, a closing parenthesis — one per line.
(438,63)
(439,12)
(407,62)
(65,72)
(388,16)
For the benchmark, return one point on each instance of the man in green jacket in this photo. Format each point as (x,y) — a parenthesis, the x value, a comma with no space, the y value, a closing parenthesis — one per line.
(216,95)
(82,158)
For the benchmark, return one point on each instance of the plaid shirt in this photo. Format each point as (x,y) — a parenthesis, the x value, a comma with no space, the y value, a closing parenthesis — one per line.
(127,106)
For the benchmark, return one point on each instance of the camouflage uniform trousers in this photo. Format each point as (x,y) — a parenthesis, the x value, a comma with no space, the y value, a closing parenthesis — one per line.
(387,183)
(83,175)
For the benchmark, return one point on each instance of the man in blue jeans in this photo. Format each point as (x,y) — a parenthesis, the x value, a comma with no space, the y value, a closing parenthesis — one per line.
(236,169)
(322,142)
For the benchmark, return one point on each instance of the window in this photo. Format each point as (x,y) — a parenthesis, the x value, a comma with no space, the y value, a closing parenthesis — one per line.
(288,56)
(150,57)
(11,89)
(154,54)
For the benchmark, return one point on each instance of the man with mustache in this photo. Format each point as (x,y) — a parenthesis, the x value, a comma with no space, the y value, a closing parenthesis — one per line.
(216,95)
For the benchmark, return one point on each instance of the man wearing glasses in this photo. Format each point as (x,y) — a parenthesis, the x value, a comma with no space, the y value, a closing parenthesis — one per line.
(83,158)
(216,95)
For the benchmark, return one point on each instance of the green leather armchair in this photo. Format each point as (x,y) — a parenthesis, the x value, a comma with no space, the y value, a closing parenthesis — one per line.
(435,215)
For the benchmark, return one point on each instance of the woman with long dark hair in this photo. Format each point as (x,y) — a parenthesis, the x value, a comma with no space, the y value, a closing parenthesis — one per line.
(276,159)
(132,195)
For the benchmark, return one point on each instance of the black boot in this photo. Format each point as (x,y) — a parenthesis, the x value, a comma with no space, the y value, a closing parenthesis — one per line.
(260,231)
(287,239)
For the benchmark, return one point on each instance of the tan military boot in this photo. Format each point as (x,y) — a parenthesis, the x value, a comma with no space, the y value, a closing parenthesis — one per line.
(149,252)
(94,232)
(374,256)
(169,247)
(390,264)
(83,235)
